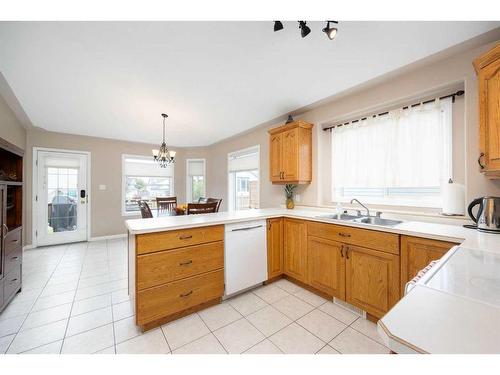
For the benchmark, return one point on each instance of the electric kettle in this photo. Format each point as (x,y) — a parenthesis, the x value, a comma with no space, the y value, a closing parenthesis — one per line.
(488,214)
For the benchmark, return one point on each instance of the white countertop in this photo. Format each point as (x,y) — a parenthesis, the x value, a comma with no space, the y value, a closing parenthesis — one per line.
(443,316)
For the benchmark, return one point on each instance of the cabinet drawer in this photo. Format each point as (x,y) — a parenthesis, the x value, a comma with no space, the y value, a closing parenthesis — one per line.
(13,259)
(162,301)
(152,242)
(166,266)
(11,282)
(372,239)
(13,240)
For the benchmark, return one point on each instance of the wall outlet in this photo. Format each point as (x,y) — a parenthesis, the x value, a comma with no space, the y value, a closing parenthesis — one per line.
(297,197)
(102,187)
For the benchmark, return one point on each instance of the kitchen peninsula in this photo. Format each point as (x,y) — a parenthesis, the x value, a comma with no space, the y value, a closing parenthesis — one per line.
(166,288)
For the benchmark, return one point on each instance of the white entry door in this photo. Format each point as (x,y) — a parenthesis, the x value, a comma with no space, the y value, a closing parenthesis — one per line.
(61,197)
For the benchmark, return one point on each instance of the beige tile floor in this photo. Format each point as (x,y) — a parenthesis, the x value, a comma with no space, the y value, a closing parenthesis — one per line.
(75,300)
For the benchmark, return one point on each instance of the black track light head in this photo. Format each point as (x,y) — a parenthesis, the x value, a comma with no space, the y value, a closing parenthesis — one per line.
(304,29)
(330,31)
(278,26)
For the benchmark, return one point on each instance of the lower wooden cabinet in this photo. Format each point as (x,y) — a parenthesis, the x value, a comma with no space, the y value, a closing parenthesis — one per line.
(274,247)
(372,279)
(326,266)
(417,253)
(295,249)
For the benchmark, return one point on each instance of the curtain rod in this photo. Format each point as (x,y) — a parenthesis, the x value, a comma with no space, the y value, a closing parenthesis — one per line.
(458,93)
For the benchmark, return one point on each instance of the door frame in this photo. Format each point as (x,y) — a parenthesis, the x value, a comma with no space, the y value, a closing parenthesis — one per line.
(34,189)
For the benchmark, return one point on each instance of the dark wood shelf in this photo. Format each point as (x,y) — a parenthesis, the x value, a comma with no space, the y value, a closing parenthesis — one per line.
(11,183)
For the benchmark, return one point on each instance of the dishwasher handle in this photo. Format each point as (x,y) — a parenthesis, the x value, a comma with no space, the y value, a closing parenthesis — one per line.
(247,228)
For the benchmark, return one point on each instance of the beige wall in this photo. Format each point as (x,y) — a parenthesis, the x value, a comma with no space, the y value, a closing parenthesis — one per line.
(106,168)
(10,128)
(409,84)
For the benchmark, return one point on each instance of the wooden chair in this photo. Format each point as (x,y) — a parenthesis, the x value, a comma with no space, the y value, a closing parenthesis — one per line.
(145,210)
(166,203)
(202,200)
(215,200)
(201,208)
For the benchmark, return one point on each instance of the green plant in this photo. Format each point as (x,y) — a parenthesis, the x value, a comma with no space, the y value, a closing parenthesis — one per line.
(289,188)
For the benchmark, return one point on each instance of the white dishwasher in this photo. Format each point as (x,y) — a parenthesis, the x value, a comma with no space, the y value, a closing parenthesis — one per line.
(245,255)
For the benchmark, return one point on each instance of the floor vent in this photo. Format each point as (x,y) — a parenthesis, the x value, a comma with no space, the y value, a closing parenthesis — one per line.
(350,307)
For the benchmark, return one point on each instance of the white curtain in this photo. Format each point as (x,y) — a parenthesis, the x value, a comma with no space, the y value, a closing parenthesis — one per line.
(145,166)
(408,148)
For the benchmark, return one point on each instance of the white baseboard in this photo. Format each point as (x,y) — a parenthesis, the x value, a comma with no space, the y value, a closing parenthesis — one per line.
(112,237)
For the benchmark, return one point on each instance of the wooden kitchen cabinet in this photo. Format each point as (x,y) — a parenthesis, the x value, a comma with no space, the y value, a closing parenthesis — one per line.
(290,153)
(274,247)
(326,266)
(372,279)
(295,249)
(417,253)
(488,71)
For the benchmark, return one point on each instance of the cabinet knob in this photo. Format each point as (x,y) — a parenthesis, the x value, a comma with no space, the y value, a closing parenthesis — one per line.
(185,237)
(342,251)
(185,263)
(186,294)
(344,234)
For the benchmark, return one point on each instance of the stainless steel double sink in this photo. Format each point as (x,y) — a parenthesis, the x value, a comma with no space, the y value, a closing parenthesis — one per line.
(373,220)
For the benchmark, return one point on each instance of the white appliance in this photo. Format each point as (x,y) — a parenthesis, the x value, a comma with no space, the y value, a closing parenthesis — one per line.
(245,255)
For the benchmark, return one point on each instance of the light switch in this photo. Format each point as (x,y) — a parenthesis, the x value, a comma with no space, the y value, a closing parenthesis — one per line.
(297,197)
(102,187)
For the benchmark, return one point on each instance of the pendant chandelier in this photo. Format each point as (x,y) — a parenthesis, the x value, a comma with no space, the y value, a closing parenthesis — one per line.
(163,156)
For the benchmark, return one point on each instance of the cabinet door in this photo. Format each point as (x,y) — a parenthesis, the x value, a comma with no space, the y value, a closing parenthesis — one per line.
(274,247)
(326,266)
(290,155)
(295,249)
(372,279)
(275,157)
(417,253)
(489,107)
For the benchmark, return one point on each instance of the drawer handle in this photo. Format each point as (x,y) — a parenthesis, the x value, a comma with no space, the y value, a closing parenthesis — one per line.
(14,258)
(15,241)
(185,237)
(186,294)
(344,234)
(186,263)
(13,281)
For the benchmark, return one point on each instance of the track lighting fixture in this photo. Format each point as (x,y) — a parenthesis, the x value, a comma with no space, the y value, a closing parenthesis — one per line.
(330,31)
(304,29)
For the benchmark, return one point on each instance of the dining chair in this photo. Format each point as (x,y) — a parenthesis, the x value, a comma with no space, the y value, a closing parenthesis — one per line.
(166,203)
(215,200)
(202,200)
(145,210)
(201,208)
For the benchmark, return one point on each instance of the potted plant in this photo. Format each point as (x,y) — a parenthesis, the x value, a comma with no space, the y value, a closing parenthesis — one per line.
(289,188)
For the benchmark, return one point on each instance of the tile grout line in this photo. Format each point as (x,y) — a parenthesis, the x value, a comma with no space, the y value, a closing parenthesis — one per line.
(36,300)
(73,302)
(112,313)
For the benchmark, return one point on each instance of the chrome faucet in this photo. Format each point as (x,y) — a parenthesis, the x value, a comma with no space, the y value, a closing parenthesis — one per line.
(362,205)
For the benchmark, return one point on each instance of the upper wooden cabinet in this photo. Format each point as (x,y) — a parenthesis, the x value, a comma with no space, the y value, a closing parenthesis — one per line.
(295,249)
(290,153)
(488,71)
(417,253)
(274,247)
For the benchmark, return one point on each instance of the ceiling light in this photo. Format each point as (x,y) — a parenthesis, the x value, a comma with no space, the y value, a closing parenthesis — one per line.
(164,156)
(278,26)
(304,29)
(330,31)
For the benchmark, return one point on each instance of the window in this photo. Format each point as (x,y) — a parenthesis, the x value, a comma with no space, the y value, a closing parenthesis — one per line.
(195,180)
(401,158)
(243,175)
(144,179)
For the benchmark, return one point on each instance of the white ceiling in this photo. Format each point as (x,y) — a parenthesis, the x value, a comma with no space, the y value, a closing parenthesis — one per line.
(214,79)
